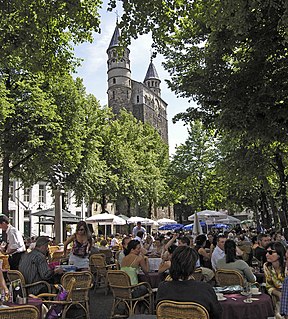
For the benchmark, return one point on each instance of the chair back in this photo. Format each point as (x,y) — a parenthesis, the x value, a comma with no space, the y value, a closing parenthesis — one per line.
(197,274)
(13,275)
(168,309)
(83,282)
(57,256)
(120,284)
(23,312)
(229,277)
(108,255)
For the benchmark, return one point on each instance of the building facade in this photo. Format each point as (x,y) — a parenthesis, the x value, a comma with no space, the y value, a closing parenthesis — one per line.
(143,100)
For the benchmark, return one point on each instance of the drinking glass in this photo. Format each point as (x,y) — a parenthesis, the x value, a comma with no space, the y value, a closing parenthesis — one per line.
(248,293)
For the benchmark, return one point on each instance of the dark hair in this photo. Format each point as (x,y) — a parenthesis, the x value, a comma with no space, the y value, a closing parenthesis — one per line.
(140,233)
(85,226)
(4,219)
(200,240)
(172,248)
(131,245)
(281,251)
(262,235)
(220,236)
(183,262)
(185,240)
(230,251)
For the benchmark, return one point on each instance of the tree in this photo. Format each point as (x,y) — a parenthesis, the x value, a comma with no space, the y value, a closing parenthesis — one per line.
(192,172)
(35,41)
(229,56)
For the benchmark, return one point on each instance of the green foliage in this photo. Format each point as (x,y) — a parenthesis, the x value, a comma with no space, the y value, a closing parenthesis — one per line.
(192,171)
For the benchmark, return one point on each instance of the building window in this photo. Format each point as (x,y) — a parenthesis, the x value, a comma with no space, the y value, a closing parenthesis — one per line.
(41,196)
(152,83)
(127,94)
(113,95)
(27,194)
(114,80)
(138,99)
(12,191)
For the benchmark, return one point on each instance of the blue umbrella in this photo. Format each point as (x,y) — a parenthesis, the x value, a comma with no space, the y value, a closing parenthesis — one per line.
(171,227)
(190,226)
(220,226)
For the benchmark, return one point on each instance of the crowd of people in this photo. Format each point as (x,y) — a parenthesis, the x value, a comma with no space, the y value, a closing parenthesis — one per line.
(245,251)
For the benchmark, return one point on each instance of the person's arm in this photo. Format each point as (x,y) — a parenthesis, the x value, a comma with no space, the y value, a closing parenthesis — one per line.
(248,272)
(3,283)
(204,253)
(143,262)
(171,241)
(164,266)
(284,299)
(67,242)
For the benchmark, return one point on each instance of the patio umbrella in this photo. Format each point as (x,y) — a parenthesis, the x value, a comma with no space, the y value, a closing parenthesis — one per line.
(171,227)
(208,215)
(115,221)
(148,221)
(220,226)
(229,220)
(51,213)
(105,218)
(134,220)
(197,229)
(190,226)
(166,221)
(123,216)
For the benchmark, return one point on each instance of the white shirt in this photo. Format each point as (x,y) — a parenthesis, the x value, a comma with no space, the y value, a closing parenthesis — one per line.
(136,229)
(14,240)
(217,254)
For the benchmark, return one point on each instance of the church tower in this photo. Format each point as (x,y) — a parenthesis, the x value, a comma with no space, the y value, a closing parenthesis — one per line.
(152,79)
(119,76)
(142,99)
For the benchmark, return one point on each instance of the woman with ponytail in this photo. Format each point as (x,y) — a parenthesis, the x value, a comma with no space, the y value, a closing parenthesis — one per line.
(230,261)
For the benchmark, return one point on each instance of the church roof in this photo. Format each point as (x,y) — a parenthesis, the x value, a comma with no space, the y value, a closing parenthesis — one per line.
(115,38)
(151,72)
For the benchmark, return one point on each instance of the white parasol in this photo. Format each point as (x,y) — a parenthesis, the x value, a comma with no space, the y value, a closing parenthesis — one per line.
(166,221)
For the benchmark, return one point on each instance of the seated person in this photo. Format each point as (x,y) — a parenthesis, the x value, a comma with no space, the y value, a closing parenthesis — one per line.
(274,270)
(166,263)
(230,261)
(184,288)
(204,256)
(34,267)
(131,263)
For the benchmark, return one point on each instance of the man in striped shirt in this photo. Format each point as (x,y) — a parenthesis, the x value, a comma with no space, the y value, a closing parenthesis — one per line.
(34,267)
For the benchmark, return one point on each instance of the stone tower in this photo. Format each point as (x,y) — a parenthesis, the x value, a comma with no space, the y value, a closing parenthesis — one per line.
(119,76)
(143,100)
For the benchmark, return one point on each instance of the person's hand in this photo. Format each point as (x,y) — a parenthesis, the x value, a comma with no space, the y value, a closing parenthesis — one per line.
(58,271)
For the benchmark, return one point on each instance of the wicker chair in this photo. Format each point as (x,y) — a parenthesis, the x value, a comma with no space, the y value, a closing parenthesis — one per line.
(99,270)
(228,277)
(50,300)
(108,255)
(23,312)
(16,275)
(168,309)
(197,274)
(122,290)
(80,291)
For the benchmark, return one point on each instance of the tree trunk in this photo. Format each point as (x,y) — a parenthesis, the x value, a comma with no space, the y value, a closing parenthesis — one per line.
(5,190)
(282,186)
(128,206)
(103,203)
(5,185)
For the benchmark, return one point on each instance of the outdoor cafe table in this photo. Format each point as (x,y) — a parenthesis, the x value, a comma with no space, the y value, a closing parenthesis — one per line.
(153,278)
(31,302)
(260,308)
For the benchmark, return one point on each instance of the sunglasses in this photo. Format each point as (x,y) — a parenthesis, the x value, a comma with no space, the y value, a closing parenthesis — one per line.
(80,229)
(271,252)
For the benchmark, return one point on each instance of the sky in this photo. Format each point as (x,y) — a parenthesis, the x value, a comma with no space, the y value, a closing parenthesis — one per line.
(93,71)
